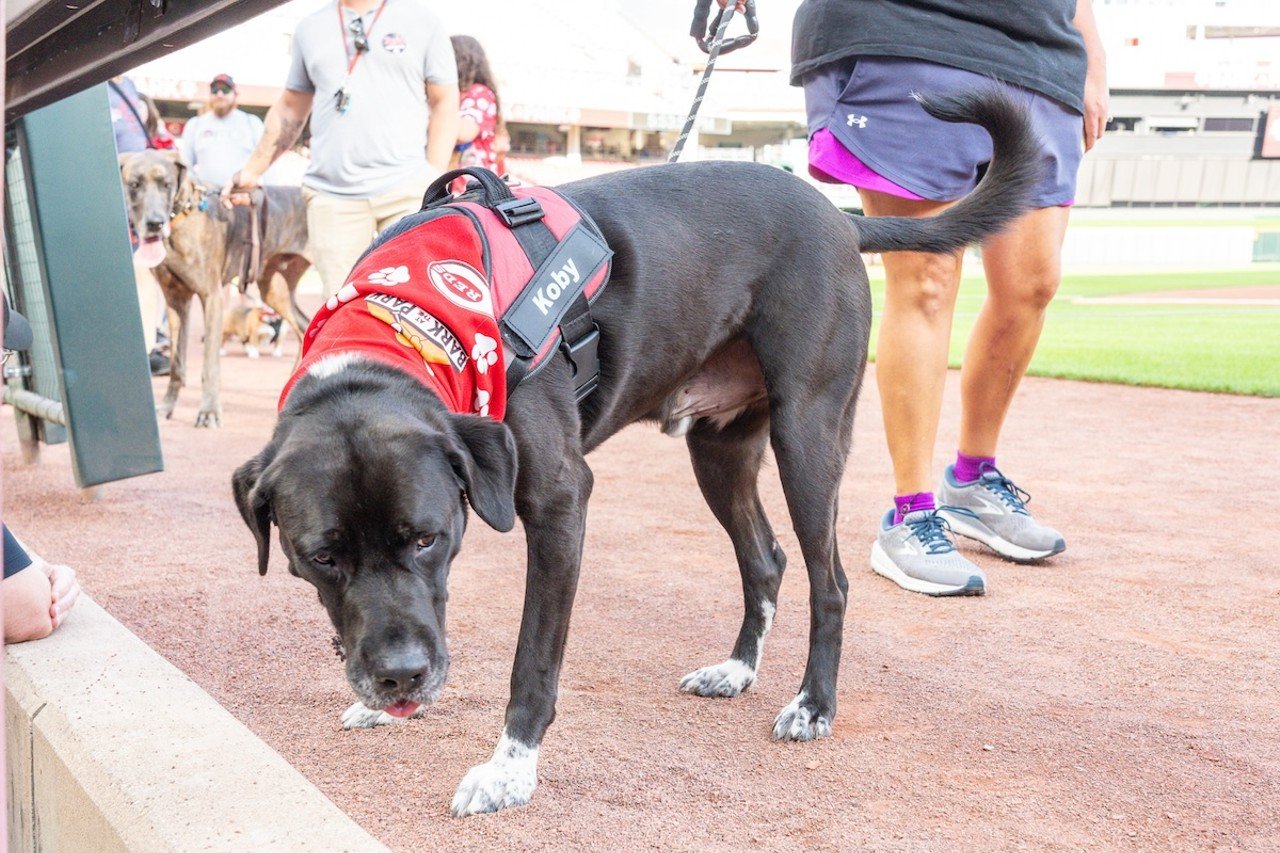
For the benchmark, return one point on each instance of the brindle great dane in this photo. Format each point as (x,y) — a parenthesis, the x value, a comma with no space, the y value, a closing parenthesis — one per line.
(193,248)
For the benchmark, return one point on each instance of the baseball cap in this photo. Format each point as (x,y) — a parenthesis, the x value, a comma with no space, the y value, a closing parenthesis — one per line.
(224,79)
(17,331)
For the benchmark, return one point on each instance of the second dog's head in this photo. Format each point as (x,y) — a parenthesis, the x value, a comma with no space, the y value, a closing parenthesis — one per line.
(368,479)
(153,182)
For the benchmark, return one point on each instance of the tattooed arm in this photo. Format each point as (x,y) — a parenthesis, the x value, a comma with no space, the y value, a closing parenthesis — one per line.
(284,123)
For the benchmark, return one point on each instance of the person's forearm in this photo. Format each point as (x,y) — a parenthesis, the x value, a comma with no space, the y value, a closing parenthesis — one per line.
(442,130)
(282,127)
(467,130)
(1096,98)
(1088,27)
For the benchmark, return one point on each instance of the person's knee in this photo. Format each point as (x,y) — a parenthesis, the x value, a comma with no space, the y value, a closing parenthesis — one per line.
(1031,293)
(928,287)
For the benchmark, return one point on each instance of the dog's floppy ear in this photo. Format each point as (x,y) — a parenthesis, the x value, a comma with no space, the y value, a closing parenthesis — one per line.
(179,164)
(254,502)
(486,462)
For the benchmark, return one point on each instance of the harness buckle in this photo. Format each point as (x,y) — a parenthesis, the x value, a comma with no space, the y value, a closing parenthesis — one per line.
(518,211)
(584,358)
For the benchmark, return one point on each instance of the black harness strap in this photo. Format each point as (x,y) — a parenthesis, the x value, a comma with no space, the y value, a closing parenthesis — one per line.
(580,342)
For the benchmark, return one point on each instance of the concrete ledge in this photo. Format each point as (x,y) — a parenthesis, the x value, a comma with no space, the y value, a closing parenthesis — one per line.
(110,747)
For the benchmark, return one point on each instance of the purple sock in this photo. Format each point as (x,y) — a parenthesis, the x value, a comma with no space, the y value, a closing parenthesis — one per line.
(903,505)
(969,468)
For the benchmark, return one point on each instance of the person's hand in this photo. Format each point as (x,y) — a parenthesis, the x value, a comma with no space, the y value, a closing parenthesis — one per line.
(64,589)
(242,183)
(1097,105)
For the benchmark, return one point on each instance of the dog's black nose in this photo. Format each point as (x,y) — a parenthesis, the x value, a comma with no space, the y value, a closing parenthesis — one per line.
(154,223)
(403,672)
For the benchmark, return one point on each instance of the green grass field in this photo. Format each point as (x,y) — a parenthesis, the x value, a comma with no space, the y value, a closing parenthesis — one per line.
(1228,348)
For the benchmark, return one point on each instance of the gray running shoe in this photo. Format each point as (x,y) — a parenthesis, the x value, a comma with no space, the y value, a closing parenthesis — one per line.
(993,511)
(918,555)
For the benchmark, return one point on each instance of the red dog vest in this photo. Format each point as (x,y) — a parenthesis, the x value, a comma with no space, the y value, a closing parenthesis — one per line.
(468,296)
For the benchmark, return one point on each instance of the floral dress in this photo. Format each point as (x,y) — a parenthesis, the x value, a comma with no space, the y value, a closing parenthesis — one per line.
(480,105)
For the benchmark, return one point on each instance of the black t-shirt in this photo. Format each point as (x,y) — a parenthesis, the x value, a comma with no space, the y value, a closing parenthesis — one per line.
(1031,43)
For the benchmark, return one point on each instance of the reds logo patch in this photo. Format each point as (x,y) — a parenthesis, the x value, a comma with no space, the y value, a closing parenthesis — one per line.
(462,285)
(394,42)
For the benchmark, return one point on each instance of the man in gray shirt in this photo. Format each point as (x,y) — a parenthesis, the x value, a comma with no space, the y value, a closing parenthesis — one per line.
(218,140)
(359,69)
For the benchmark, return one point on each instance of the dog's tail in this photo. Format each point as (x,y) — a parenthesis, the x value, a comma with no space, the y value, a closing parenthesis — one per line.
(1003,194)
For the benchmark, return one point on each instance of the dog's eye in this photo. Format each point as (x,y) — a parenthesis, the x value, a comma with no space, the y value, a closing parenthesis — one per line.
(133,185)
(324,558)
(425,542)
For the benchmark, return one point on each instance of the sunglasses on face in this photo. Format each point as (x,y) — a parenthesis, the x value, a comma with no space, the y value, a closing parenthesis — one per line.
(221,89)
(357,30)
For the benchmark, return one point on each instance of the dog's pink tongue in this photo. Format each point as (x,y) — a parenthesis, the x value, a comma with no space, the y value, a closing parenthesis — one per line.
(401,709)
(150,252)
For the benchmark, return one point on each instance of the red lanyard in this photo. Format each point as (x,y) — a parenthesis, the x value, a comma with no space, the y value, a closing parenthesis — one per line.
(342,27)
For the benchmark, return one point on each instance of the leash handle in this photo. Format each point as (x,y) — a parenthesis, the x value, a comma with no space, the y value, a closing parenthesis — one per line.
(700,13)
(495,195)
(495,189)
(702,33)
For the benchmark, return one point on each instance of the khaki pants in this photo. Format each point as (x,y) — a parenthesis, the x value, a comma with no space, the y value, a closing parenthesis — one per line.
(340,229)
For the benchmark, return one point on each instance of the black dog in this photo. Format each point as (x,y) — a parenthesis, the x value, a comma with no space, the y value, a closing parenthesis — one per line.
(734,271)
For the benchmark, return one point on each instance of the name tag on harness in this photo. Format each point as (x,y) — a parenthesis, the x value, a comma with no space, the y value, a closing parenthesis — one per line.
(536,313)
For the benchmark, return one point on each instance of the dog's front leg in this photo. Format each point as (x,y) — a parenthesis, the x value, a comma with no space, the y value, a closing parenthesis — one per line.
(210,414)
(554,521)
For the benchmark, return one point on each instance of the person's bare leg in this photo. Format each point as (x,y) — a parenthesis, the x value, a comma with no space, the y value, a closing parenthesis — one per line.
(911,352)
(1023,267)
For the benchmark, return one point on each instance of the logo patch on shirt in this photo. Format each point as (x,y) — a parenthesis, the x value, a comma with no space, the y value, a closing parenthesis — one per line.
(462,284)
(857,120)
(419,330)
(394,43)
(390,276)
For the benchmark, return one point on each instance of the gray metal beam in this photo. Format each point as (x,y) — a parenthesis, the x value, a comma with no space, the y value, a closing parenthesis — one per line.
(58,48)
(69,160)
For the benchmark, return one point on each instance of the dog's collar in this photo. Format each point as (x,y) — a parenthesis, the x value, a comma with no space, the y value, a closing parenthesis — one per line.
(190,196)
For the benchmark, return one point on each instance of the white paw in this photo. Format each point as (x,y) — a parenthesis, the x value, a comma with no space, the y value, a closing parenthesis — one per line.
(799,722)
(251,351)
(723,679)
(360,717)
(277,352)
(506,780)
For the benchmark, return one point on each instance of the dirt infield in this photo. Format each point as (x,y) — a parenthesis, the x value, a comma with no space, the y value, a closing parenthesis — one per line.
(1124,695)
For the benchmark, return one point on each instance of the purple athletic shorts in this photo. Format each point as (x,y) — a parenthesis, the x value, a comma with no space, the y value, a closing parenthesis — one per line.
(887,142)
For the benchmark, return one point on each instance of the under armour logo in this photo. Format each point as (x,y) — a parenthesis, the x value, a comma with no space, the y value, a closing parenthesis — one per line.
(857,121)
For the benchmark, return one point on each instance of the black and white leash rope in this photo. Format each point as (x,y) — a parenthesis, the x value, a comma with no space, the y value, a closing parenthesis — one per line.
(717,46)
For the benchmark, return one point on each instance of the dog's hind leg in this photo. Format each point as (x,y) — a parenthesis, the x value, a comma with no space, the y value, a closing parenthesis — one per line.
(178,299)
(278,285)
(810,441)
(727,464)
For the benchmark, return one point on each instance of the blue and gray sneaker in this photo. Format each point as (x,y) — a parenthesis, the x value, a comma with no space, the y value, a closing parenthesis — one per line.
(918,555)
(993,511)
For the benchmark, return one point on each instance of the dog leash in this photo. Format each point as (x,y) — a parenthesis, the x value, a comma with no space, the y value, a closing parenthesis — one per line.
(251,261)
(717,46)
